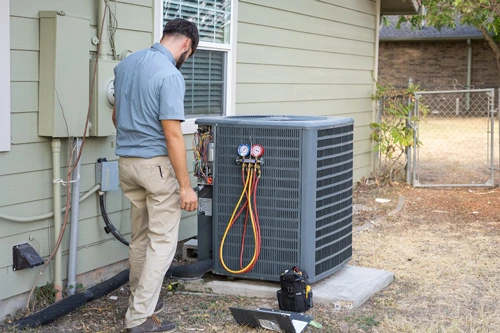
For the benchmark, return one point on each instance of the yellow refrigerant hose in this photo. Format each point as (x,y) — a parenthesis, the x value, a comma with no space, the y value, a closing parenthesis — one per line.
(247,190)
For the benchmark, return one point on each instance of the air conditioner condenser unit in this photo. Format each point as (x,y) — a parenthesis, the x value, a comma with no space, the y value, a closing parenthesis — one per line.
(303,198)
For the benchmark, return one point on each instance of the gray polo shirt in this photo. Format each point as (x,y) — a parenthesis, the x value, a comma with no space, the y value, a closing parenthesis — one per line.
(148,89)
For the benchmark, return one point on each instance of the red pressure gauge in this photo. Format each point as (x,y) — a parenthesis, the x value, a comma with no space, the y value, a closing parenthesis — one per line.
(257,151)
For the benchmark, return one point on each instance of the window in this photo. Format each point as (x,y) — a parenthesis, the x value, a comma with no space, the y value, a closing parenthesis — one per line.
(5,77)
(209,74)
(204,76)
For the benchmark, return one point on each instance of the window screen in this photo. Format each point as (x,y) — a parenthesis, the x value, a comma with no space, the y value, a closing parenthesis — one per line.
(205,89)
(212,17)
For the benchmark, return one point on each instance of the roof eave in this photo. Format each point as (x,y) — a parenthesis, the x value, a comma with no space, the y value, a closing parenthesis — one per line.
(399,7)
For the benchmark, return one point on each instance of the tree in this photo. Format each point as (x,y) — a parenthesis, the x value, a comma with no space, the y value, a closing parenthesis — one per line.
(482,14)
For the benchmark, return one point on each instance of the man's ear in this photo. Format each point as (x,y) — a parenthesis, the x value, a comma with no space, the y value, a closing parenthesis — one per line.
(186,45)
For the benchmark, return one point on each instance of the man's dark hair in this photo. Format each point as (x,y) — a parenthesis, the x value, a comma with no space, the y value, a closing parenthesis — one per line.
(183,27)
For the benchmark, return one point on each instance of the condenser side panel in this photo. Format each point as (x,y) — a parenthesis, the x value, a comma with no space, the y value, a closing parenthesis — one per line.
(333,207)
(278,201)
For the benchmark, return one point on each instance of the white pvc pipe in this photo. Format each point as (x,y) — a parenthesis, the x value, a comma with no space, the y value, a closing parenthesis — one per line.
(56,174)
(48,215)
(102,30)
(75,208)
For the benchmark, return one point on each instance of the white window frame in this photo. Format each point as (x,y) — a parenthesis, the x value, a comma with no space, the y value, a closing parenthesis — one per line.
(189,127)
(5,77)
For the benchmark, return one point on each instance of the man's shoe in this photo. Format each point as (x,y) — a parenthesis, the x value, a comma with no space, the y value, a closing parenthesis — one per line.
(160,306)
(153,325)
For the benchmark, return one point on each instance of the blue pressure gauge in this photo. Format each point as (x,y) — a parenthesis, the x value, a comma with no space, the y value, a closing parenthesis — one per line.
(243,150)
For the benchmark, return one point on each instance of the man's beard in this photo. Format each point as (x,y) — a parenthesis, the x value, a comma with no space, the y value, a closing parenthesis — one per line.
(181,60)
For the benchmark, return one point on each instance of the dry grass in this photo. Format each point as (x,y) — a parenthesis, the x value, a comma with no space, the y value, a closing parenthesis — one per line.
(442,247)
(455,150)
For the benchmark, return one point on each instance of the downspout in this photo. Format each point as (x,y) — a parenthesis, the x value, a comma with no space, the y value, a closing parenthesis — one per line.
(56,174)
(75,208)
(469,74)
(375,113)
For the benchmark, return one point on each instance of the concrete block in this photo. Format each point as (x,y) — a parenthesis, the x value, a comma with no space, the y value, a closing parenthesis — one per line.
(190,250)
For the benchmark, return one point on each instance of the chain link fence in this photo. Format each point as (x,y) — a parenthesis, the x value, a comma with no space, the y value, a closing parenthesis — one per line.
(456,134)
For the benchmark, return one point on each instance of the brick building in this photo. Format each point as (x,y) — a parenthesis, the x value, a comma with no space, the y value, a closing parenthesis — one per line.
(436,59)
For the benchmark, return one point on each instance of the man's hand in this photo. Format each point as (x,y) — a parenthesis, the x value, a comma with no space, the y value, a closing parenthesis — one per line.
(189,199)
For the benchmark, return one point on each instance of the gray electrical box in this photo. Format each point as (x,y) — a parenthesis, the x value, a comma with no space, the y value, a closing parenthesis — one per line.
(106,174)
(64,75)
(304,196)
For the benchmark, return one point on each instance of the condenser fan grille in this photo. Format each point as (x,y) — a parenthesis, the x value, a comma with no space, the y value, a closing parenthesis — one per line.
(333,194)
(278,197)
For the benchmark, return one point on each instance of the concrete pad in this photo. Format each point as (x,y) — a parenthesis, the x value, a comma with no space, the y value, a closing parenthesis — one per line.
(351,286)
(348,288)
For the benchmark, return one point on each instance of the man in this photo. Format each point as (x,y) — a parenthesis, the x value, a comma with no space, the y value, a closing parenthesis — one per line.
(149,109)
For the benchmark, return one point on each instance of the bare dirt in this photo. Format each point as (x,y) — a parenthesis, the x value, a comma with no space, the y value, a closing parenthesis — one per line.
(441,244)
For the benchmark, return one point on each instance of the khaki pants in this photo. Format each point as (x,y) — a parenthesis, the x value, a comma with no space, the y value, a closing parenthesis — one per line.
(153,191)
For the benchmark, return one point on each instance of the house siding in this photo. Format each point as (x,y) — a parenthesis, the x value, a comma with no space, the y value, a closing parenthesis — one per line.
(26,171)
(437,64)
(310,57)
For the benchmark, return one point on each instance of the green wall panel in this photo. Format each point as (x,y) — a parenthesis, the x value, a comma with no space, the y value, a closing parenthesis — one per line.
(262,73)
(24,33)
(258,54)
(254,93)
(356,14)
(24,96)
(23,65)
(297,21)
(341,107)
(24,128)
(256,34)
(365,6)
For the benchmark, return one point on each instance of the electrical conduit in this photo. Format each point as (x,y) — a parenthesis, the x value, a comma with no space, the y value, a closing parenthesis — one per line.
(56,175)
(102,30)
(48,215)
(75,208)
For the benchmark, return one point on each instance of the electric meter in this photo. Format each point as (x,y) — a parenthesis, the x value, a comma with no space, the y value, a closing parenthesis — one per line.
(110,92)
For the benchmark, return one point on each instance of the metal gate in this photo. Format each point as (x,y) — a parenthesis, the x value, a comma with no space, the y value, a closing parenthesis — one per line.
(455,132)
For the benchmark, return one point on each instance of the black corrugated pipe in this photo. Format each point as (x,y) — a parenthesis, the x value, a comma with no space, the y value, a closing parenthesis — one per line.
(110,228)
(65,306)
(191,271)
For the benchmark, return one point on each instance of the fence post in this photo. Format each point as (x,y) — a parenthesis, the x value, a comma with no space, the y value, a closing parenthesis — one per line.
(408,149)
